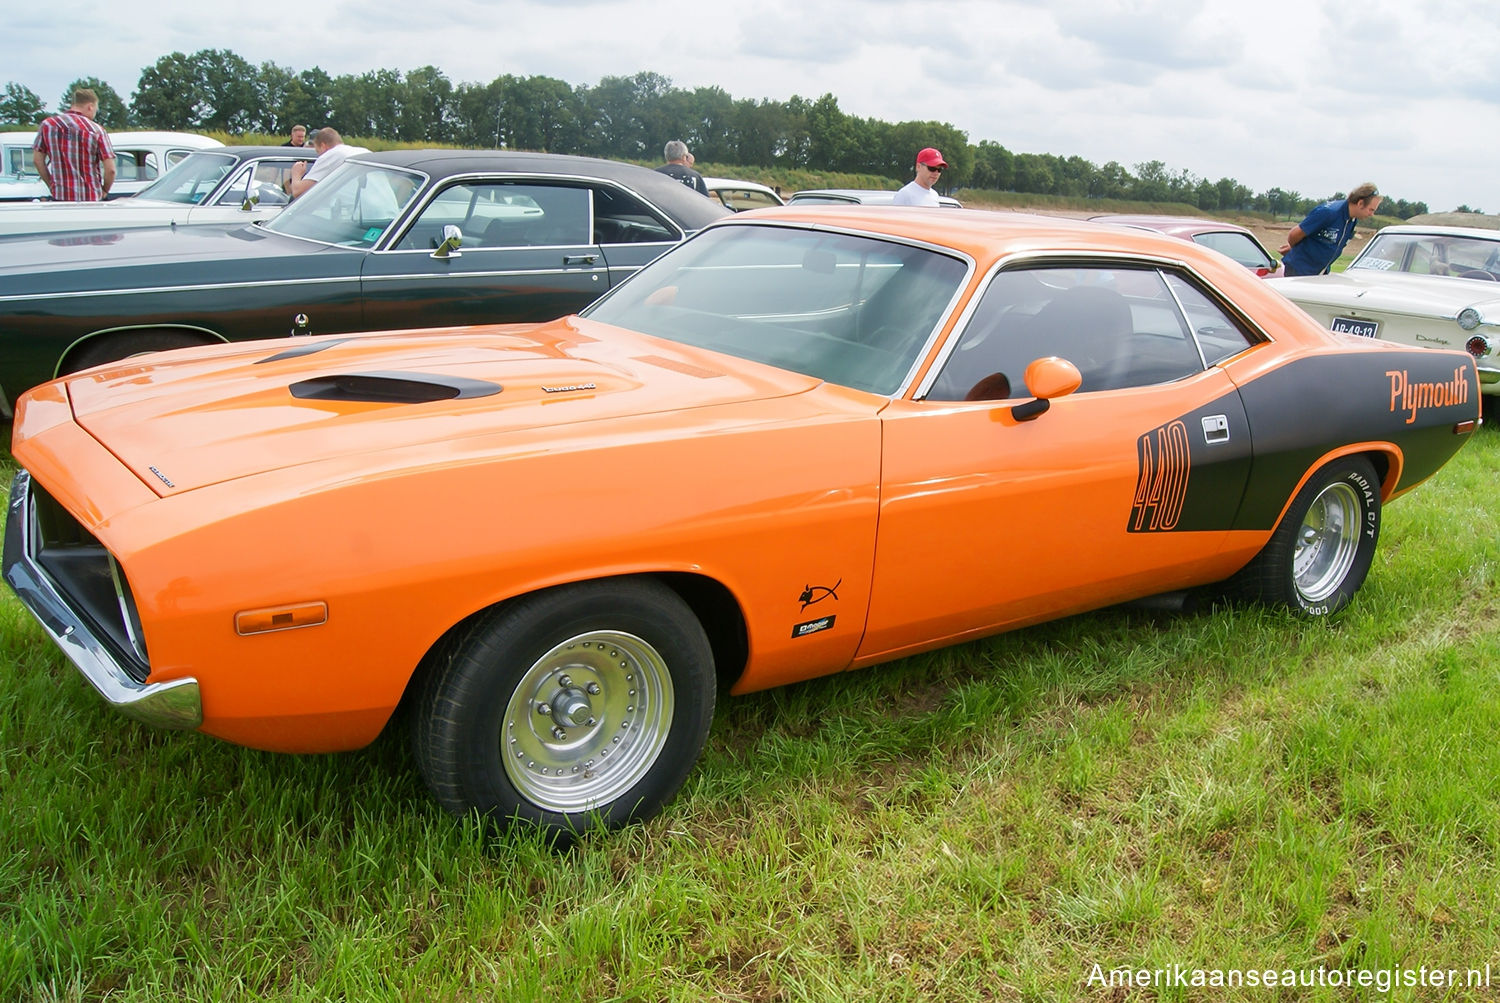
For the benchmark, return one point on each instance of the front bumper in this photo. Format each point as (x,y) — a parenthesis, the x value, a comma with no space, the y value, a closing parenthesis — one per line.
(173,704)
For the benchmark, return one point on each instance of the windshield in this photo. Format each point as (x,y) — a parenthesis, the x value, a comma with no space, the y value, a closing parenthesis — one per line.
(852,310)
(352,207)
(1433,254)
(191,180)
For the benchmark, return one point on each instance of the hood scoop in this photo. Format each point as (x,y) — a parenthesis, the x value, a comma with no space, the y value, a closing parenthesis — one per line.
(391,388)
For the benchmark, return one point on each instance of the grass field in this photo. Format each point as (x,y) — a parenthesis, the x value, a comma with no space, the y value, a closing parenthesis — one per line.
(1224,790)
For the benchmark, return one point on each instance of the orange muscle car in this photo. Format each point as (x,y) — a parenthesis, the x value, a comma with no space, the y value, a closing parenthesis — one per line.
(807,440)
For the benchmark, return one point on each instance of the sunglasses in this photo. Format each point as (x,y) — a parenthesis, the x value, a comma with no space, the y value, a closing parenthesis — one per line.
(935,170)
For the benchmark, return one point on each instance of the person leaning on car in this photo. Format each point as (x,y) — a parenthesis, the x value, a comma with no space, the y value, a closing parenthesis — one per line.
(1315,244)
(918,191)
(72,153)
(331,150)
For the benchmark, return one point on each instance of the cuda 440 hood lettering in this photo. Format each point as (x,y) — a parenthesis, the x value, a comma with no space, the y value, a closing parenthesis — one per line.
(805,440)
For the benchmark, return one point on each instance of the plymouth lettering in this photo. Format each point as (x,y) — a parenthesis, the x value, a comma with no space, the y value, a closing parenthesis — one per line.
(1413,397)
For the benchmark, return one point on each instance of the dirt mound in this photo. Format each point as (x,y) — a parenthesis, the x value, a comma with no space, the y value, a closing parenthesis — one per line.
(1482,220)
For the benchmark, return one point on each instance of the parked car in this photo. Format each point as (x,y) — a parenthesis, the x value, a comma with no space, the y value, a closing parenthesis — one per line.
(807,440)
(1224,237)
(857,196)
(233,184)
(1431,286)
(742,195)
(532,237)
(140,158)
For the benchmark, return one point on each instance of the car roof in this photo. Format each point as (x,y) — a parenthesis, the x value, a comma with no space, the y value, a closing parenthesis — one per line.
(1170,224)
(979,232)
(1480,233)
(691,209)
(164,139)
(866,196)
(246,152)
(716,184)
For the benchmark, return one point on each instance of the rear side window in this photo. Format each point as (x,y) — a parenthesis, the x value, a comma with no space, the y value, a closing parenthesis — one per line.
(1122,327)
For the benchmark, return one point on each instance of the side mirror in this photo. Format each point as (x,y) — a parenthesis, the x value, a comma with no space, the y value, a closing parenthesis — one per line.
(1047,377)
(453,239)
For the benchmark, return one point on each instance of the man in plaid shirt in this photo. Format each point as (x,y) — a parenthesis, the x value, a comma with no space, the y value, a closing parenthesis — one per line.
(72,153)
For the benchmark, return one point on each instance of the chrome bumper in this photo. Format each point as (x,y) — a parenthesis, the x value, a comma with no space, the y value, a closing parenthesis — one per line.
(174,704)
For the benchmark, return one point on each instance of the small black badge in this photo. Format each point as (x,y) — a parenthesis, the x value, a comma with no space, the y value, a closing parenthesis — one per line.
(817,593)
(812,626)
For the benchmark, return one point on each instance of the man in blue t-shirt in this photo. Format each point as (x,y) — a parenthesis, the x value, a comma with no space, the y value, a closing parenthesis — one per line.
(1316,243)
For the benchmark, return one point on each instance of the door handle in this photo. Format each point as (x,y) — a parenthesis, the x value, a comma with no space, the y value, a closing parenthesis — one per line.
(580,259)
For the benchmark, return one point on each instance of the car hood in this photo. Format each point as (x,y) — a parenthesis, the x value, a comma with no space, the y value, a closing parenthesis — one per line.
(197,417)
(1393,292)
(145,257)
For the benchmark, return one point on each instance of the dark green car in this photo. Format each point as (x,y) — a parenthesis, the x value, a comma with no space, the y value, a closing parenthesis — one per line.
(410,238)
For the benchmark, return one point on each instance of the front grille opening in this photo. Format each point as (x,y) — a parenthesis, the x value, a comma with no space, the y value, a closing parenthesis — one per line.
(90,581)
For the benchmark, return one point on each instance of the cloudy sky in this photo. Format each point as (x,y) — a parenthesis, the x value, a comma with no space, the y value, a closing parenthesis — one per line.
(1309,95)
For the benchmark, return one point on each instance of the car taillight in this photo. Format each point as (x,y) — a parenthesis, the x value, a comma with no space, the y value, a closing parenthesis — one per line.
(1478,346)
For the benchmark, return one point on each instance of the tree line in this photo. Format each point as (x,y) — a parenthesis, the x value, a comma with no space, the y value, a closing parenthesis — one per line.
(622,117)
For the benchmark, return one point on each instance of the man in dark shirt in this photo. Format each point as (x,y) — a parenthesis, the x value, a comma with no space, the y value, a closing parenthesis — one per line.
(298,137)
(678,166)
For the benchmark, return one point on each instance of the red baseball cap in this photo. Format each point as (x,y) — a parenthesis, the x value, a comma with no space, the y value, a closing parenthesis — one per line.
(931,158)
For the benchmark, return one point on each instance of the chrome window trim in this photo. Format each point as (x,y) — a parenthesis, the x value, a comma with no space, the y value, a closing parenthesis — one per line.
(1081,259)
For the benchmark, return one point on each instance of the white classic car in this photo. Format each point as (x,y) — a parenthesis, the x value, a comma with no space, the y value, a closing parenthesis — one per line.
(857,196)
(742,195)
(1431,286)
(140,158)
(230,184)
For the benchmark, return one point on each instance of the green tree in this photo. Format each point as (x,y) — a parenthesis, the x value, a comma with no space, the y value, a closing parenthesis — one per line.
(168,95)
(21,105)
(112,114)
(425,113)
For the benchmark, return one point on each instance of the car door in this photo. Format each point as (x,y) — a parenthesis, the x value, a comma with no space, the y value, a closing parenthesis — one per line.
(629,233)
(527,254)
(1126,487)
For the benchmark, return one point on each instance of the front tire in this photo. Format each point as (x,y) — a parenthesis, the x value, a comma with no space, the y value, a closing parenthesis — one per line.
(582,703)
(1321,552)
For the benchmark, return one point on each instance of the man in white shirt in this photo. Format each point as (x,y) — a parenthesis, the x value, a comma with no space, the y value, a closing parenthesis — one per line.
(332,151)
(930,167)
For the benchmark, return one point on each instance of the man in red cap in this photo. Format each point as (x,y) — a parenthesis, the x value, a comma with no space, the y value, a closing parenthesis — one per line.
(930,166)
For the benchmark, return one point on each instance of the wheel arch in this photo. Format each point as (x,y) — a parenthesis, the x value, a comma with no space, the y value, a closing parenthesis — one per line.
(1385,457)
(715,606)
(201,335)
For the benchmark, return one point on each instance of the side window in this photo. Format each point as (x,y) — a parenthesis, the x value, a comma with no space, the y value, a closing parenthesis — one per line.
(621,218)
(1217,334)
(264,180)
(1237,246)
(1121,327)
(492,215)
(127,166)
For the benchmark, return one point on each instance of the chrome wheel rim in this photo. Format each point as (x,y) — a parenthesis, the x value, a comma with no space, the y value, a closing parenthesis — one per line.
(587,721)
(1327,542)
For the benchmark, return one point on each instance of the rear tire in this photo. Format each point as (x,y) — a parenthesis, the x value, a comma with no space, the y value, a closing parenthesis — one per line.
(1321,552)
(583,703)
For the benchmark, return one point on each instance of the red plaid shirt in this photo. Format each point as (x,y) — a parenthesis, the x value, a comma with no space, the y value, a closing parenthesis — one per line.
(74,146)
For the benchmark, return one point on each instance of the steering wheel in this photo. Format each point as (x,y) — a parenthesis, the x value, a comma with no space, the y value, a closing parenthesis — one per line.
(1478,273)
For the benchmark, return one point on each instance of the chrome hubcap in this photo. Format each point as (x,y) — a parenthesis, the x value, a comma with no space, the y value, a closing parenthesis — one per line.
(587,721)
(1327,542)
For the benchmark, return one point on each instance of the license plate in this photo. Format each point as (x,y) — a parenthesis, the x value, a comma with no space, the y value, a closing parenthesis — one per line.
(1348,325)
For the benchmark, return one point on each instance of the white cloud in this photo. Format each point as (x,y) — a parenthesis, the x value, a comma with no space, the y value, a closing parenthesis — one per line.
(1309,95)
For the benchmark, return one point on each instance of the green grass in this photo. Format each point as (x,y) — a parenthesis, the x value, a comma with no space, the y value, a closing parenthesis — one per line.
(1230,789)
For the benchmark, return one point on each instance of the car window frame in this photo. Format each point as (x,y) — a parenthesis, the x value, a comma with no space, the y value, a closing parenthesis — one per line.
(1254,333)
